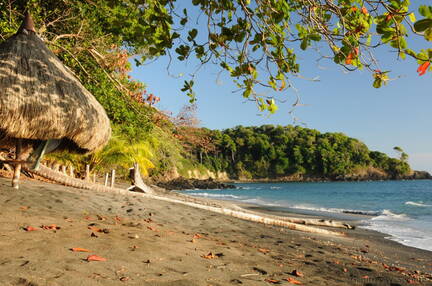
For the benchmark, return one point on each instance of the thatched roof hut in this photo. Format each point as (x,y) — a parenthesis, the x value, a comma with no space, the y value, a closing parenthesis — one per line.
(40,99)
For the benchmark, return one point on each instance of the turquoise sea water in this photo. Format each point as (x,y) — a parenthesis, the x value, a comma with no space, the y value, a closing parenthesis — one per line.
(400,209)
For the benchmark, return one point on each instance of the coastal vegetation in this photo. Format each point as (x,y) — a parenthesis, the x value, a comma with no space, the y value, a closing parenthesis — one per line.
(281,151)
(255,42)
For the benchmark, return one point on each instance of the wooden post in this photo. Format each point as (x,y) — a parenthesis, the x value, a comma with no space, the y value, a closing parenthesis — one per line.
(17,168)
(71,171)
(94,177)
(87,173)
(63,169)
(112,178)
(106,179)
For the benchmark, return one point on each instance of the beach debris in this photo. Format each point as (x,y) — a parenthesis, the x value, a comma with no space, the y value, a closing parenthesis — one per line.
(24,208)
(297,273)
(249,274)
(197,236)
(96,229)
(95,258)
(260,271)
(79,249)
(30,228)
(273,281)
(133,236)
(293,281)
(124,278)
(152,229)
(365,277)
(50,227)
(93,235)
(212,255)
(99,217)
(264,250)
(133,247)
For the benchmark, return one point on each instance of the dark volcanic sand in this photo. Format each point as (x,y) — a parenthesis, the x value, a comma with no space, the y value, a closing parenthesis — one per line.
(150,242)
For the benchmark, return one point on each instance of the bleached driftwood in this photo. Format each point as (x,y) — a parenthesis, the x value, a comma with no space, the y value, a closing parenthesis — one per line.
(138,184)
(72,182)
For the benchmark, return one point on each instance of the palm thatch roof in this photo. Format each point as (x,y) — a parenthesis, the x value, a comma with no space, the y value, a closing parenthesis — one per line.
(41,99)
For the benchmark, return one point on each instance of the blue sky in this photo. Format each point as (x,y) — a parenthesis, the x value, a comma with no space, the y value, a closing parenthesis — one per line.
(398,114)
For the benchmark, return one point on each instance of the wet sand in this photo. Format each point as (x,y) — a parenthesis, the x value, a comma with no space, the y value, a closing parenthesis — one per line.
(151,242)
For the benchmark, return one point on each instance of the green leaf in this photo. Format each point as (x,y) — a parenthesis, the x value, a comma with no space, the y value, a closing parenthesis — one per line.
(412,17)
(428,34)
(377,83)
(422,25)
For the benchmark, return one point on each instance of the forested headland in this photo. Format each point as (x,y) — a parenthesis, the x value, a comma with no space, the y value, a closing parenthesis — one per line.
(292,153)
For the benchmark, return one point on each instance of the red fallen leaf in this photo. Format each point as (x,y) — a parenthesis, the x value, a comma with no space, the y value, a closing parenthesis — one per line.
(50,227)
(88,218)
(353,9)
(95,258)
(297,273)
(24,208)
(152,228)
(364,11)
(293,281)
(210,255)
(264,250)
(197,235)
(422,69)
(272,281)
(30,228)
(95,229)
(78,249)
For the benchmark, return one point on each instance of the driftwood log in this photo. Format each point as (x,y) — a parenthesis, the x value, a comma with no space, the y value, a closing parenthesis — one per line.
(242,214)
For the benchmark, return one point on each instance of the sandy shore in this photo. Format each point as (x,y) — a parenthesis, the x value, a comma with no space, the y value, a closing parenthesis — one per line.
(150,242)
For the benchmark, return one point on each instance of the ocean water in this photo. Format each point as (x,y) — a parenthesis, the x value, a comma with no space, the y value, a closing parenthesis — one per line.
(400,209)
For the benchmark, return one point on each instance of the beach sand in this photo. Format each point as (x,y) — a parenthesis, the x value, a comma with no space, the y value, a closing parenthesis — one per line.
(151,242)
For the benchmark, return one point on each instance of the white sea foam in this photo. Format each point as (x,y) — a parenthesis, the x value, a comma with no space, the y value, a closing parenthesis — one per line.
(261,202)
(275,188)
(387,215)
(417,204)
(209,195)
(406,231)
(333,210)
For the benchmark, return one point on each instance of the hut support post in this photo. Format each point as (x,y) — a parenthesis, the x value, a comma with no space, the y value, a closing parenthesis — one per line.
(112,178)
(17,169)
(39,153)
(106,179)
(87,173)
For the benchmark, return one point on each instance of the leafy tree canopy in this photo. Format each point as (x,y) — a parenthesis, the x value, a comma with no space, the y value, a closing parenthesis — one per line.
(255,41)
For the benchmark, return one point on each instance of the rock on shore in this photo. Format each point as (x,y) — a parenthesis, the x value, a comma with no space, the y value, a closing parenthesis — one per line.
(186,184)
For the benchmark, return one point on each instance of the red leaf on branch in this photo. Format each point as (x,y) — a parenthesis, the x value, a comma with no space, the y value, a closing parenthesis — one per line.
(423,68)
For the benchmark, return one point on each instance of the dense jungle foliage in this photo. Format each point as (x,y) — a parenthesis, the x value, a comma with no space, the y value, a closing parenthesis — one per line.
(278,151)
